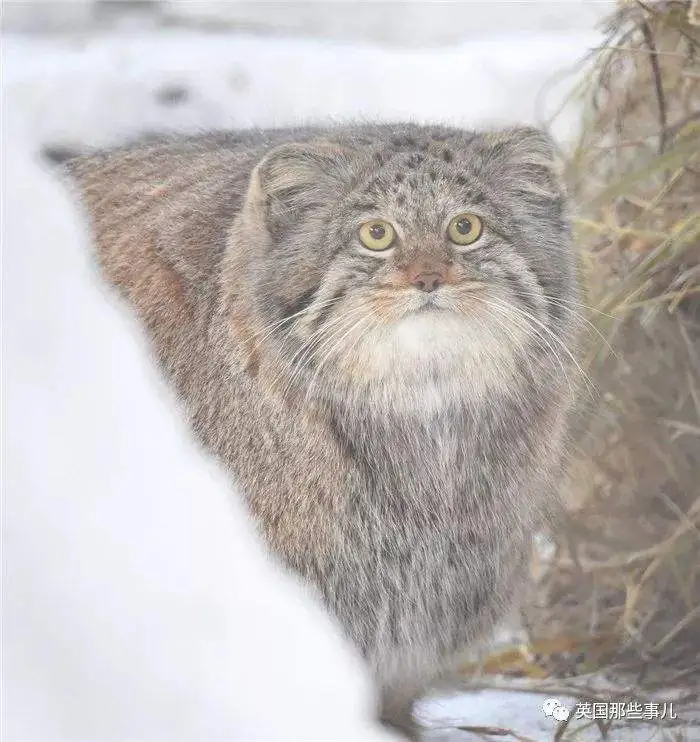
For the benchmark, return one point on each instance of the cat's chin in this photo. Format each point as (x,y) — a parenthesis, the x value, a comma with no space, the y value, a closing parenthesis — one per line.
(436,344)
(430,334)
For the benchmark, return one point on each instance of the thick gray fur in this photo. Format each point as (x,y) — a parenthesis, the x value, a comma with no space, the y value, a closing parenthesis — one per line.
(397,455)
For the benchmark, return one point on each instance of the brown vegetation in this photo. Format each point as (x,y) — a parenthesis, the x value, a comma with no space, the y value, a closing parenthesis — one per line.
(618,596)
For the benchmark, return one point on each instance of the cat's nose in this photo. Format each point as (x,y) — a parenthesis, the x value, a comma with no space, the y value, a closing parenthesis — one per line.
(428,281)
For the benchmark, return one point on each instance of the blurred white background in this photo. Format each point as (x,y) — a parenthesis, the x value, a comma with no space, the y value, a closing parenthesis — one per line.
(91,71)
(381,21)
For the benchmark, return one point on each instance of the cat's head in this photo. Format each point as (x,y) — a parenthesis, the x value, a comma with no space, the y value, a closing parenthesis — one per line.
(411,252)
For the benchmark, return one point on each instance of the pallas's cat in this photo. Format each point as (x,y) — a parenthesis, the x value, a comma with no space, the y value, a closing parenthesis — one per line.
(370,325)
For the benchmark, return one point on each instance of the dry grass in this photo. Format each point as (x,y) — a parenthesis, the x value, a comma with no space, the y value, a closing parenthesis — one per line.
(620,590)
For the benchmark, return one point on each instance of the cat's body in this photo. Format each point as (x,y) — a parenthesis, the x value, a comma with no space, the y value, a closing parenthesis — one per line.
(397,445)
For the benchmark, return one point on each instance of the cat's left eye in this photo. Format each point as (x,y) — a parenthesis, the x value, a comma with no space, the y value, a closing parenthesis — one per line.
(465,229)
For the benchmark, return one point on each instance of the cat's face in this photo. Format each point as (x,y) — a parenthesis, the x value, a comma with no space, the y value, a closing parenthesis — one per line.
(413,253)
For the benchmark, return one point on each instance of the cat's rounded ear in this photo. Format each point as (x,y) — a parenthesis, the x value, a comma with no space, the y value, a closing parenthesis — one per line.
(292,179)
(528,161)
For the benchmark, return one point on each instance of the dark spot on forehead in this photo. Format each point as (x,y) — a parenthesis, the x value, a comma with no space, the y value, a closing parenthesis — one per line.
(476,197)
(374,187)
(399,177)
(400,200)
(432,175)
(447,155)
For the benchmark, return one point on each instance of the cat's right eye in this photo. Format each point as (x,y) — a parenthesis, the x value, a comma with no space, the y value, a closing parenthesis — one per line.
(377,235)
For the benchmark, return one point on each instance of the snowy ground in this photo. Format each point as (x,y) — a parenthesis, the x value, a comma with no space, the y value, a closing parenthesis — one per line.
(97,88)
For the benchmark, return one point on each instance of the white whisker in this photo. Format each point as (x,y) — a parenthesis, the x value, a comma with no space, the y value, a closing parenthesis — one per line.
(506,311)
(529,318)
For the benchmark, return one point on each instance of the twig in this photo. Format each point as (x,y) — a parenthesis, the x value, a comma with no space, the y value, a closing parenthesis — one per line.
(678,55)
(658,85)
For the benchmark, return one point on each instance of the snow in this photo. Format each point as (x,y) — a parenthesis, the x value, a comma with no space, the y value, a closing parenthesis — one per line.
(137,602)
(521,712)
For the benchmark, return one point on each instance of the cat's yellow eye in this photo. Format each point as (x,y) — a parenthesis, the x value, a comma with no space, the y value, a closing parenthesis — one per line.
(465,229)
(377,235)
